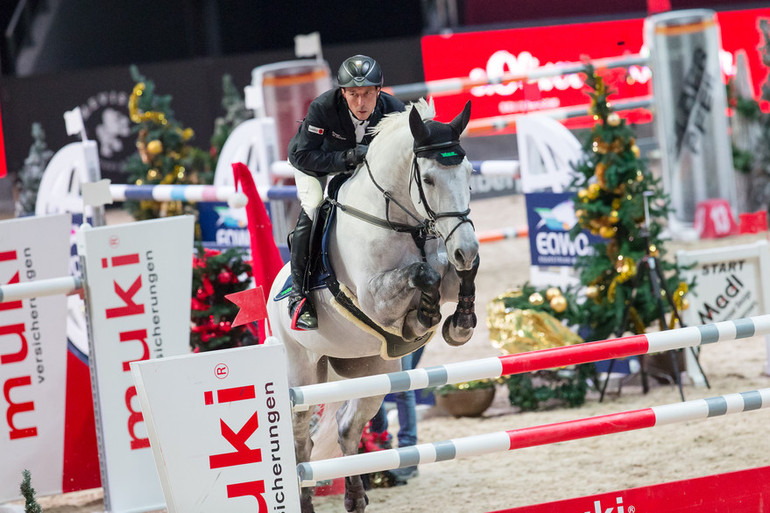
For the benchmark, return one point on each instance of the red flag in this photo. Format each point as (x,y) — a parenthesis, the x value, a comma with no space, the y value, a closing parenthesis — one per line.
(265,257)
(251,303)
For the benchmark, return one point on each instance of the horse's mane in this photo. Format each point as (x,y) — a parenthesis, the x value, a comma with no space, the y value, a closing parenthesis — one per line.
(393,135)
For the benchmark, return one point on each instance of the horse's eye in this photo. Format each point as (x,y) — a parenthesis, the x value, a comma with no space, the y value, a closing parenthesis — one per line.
(428,181)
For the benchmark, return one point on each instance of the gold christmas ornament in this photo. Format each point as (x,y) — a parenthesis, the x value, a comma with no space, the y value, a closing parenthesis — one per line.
(558,303)
(607,232)
(552,292)
(593,190)
(536,298)
(592,292)
(639,176)
(613,119)
(154,147)
(582,194)
(613,218)
(635,150)
(152,174)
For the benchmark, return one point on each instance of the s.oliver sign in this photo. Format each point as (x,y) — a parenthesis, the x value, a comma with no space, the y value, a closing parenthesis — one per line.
(481,55)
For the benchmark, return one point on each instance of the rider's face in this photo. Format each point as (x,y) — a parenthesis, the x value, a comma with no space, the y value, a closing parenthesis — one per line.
(361,100)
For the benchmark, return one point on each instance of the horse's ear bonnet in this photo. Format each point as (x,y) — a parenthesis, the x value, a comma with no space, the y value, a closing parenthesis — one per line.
(439,141)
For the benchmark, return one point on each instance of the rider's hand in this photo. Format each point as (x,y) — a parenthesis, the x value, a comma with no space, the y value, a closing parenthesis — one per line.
(355,156)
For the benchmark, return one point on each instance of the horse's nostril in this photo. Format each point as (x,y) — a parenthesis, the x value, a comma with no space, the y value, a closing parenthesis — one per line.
(459,257)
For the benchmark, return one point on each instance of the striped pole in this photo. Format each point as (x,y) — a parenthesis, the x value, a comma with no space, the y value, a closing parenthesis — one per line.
(312,472)
(199,193)
(449,86)
(496,168)
(304,397)
(39,288)
(505,233)
(476,126)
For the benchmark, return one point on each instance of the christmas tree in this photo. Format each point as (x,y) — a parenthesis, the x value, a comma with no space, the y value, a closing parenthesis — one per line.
(28,181)
(613,184)
(215,275)
(164,153)
(236,113)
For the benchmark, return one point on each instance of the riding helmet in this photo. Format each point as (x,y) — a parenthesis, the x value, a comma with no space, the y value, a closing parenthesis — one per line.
(359,71)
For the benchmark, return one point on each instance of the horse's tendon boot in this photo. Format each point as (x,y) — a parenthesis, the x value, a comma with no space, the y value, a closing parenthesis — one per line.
(302,313)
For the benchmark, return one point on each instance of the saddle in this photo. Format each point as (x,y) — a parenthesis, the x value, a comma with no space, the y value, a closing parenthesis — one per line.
(320,275)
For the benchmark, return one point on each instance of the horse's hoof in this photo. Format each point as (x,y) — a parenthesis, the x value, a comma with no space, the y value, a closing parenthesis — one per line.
(460,335)
(356,505)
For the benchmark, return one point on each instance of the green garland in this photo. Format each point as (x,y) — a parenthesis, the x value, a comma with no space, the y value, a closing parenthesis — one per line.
(568,385)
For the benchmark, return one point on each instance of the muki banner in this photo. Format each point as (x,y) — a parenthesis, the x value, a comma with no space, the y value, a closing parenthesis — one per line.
(550,217)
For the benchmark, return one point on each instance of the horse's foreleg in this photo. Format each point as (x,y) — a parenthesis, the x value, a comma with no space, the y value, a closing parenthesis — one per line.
(458,329)
(390,294)
(351,419)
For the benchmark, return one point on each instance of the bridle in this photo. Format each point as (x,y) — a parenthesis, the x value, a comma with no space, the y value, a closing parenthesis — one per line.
(426,228)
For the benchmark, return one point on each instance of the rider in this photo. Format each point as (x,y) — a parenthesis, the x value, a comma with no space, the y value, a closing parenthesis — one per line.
(332,139)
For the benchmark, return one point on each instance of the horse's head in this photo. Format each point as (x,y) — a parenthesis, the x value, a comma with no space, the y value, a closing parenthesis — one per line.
(442,178)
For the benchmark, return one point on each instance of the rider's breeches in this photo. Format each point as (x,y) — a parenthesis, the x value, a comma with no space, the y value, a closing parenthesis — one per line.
(310,192)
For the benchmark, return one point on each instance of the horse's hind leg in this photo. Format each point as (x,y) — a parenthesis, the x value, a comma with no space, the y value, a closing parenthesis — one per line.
(351,419)
(306,368)
(303,446)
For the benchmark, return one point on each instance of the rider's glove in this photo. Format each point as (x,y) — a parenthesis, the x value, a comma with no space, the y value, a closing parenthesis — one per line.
(355,156)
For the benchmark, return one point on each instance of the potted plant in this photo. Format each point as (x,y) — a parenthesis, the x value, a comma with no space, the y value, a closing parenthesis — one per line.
(468,399)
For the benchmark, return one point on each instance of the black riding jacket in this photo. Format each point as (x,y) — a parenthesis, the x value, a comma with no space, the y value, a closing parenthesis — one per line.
(327,131)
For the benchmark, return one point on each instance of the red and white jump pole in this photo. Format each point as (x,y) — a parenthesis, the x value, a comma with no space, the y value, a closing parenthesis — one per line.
(314,471)
(304,397)
(450,86)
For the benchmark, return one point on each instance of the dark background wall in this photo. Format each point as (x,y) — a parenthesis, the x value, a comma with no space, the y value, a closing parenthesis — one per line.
(65,53)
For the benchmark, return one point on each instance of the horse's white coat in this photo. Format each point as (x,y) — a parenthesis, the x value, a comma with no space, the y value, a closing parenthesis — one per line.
(377,264)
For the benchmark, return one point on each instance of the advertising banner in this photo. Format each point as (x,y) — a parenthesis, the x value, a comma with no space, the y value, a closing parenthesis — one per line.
(550,217)
(489,54)
(223,226)
(690,102)
(731,282)
(33,355)
(138,280)
(220,428)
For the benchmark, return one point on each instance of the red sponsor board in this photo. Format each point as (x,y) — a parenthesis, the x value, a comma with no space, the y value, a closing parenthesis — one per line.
(744,491)
(478,55)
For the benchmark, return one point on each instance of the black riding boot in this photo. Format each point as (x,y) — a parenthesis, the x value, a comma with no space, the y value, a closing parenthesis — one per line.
(301,310)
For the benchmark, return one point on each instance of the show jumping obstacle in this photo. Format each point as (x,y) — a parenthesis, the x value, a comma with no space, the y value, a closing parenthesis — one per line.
(449,86)
(312,472)
(693,336)
(748,494)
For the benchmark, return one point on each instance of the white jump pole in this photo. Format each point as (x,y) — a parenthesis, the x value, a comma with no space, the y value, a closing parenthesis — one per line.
(449,86)
(312,472)
(304,397)
(39,288)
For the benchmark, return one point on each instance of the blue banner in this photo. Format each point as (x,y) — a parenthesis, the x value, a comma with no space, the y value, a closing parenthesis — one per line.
(550,217)
(223,227)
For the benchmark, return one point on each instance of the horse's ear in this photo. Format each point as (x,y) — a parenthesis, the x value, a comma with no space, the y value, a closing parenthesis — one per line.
(459,123)
(417,125)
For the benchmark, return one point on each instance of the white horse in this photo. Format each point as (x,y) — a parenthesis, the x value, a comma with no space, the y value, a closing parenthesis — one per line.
(401,245)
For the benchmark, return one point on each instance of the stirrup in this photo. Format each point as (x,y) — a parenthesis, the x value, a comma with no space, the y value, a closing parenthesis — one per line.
(302,314)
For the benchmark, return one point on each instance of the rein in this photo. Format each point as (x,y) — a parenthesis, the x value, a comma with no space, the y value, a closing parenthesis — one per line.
(425,229)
